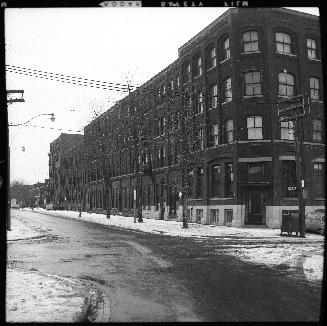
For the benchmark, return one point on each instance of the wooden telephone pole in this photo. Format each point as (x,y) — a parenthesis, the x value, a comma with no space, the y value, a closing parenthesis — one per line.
(294,109)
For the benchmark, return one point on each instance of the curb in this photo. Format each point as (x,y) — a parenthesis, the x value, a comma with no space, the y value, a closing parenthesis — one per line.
(104,307)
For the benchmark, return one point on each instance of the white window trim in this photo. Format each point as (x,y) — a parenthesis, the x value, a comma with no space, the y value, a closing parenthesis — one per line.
(224,60)
(251,52)
(250,96)
(287,54)
(314,59)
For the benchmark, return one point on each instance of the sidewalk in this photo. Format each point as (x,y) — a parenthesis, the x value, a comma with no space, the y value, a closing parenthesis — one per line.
(256,245)
(32,296)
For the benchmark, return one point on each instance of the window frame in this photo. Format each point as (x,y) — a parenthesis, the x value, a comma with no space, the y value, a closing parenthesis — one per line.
(213,96)
(215,186)
(225,51)
(212,59)
(199,103)
(315,49)
(229,133)
(283,43)
(214,137)
(227,91)
(317,132)
(255,128)
(244,43)
(288,128)
(252,84)
(198,66)
(319,178)
(314,90)
(285,84)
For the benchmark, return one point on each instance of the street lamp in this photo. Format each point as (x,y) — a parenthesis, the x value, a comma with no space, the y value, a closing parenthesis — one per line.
(52,118)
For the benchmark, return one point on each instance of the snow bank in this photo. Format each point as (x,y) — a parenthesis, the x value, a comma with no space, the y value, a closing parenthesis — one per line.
(35,297)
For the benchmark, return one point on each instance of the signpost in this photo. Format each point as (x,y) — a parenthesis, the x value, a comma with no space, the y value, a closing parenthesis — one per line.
(293,109)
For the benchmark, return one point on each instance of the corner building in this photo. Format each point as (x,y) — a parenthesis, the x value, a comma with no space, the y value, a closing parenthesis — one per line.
(222,92)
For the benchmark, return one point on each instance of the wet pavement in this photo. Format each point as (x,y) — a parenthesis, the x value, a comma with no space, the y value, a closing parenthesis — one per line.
(152,277)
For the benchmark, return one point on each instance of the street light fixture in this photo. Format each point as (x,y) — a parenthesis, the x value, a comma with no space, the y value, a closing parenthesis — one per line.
(52,118)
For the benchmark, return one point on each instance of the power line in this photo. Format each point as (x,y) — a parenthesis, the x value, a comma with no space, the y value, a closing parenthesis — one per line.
(43,127)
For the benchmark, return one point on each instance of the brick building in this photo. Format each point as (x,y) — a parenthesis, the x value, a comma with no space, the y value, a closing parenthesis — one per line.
(215,108)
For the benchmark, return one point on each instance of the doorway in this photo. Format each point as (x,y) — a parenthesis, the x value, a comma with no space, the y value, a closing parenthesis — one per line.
(257,207)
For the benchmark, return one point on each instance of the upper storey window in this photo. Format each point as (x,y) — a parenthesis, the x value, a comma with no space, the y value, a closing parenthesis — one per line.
(283,43)
(286,84)
(227,84)
(314,88)
(312,48)
(253,83)
(225,49)
(198,66)
(187,73)
(212,56)
(250,41)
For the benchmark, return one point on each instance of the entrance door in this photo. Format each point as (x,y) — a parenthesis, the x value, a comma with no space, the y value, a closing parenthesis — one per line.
(257,207)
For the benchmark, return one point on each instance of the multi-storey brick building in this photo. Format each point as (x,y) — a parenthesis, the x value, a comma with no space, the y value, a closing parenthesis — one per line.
(216,108)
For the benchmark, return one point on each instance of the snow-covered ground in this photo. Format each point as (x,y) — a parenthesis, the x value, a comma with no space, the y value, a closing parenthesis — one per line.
(257,245)
(35,297)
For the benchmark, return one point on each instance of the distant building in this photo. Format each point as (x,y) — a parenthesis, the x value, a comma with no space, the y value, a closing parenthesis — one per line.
(222,91)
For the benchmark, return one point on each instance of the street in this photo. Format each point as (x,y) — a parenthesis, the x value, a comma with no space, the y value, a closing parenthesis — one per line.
(151,277)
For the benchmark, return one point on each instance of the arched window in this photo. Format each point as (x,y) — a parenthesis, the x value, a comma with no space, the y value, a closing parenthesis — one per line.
(286,84)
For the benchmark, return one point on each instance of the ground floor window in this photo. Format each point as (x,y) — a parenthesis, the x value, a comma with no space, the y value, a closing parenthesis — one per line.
(228,216)
(319,178)
(214,215)
(198,215)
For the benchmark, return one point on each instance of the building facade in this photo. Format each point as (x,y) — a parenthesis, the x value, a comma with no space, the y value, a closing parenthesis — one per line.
(210,120)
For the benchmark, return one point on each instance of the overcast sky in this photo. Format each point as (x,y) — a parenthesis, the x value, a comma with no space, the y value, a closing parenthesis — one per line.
(117,45)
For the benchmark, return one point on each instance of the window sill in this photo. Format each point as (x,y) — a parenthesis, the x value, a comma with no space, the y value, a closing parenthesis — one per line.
(253,52)
(253,96)
(225,60)
(289,198)
(285,96)
(314,60)
(317,101)
(212,68)
(287,54)
(226,102)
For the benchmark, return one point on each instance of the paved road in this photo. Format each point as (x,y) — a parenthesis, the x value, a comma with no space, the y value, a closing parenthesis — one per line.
(160,278)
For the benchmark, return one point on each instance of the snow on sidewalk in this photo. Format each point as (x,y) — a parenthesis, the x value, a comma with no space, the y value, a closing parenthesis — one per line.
(256,245)
(20,231)
(35,297)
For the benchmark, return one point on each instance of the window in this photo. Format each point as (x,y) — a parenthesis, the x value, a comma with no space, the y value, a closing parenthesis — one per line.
(172,85)
(256,172)
(286,84)
(212,58)
(319,178)
(214,96)
(198,215)
(314,88)
(229,180)
(283,43)
(199,183)
(199,136)
(229,131)
(227,84)
(316,130)
(225,49)
(198,66)
(214,215)
(312,48)
(190,182)
(199,104)
(163,89)
(250,41)
(228,216)
(187,73)
(254,125)
(215,180)
(214,135)
(288,170)
(287,130)
(253,83)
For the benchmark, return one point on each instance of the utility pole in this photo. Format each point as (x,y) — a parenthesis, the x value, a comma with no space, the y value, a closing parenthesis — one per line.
(294,109)
(11,100)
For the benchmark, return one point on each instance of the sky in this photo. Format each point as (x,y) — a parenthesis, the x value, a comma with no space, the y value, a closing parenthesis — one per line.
(116,45)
